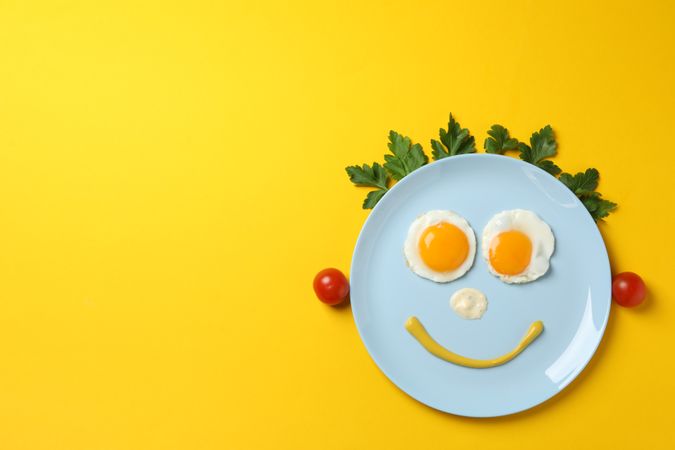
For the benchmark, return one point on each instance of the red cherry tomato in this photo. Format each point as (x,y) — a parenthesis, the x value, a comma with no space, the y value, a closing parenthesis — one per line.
(628,289)
(331,286)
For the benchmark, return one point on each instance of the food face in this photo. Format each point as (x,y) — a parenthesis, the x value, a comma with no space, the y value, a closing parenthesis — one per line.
(440,246)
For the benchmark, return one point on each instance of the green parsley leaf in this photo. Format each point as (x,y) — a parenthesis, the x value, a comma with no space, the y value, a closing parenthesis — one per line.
(550,167)
(406,156)
(456,140)
(372,198)
(583,182)
(499,140)
(542,145)
(598,206)
(374,176)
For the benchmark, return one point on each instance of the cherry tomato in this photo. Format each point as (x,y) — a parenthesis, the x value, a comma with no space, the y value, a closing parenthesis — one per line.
(628,289)
(331,286)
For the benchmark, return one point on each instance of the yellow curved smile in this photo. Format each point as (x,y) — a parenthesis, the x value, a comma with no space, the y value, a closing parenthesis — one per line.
(415,327)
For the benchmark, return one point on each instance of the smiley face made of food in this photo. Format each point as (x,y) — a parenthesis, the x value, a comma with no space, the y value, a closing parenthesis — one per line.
(441,246)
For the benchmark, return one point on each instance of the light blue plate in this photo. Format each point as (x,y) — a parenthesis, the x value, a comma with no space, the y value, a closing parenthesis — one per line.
(572,299)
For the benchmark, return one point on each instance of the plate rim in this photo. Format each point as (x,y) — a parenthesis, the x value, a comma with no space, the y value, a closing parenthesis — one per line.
(606,312)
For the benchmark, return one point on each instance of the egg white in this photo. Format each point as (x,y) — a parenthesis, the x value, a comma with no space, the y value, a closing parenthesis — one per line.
(411,245)
(528,223)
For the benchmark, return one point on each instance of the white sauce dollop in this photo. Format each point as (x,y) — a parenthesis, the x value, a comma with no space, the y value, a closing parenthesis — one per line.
(469,303)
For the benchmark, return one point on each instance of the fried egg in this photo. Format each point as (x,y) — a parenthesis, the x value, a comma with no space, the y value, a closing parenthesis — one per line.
(440,246)
(517,246)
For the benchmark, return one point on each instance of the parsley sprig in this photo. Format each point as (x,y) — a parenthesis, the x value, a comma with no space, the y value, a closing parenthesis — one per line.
(406,157)
(584,185)
(542,146)
(454,141)
(499,141)
(370,176)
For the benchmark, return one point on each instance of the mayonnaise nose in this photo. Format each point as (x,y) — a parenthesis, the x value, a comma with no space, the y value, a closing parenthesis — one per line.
(469,303)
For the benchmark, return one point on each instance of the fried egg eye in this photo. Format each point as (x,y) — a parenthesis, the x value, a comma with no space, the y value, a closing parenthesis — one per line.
(440,246)
(443,247)
(517,245)
(510,252)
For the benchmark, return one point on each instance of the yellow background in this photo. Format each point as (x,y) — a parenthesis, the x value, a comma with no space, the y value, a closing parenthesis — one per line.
(172,177)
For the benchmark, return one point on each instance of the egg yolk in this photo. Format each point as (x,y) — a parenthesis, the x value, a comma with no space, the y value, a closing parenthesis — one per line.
(443,247)
(510,252)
